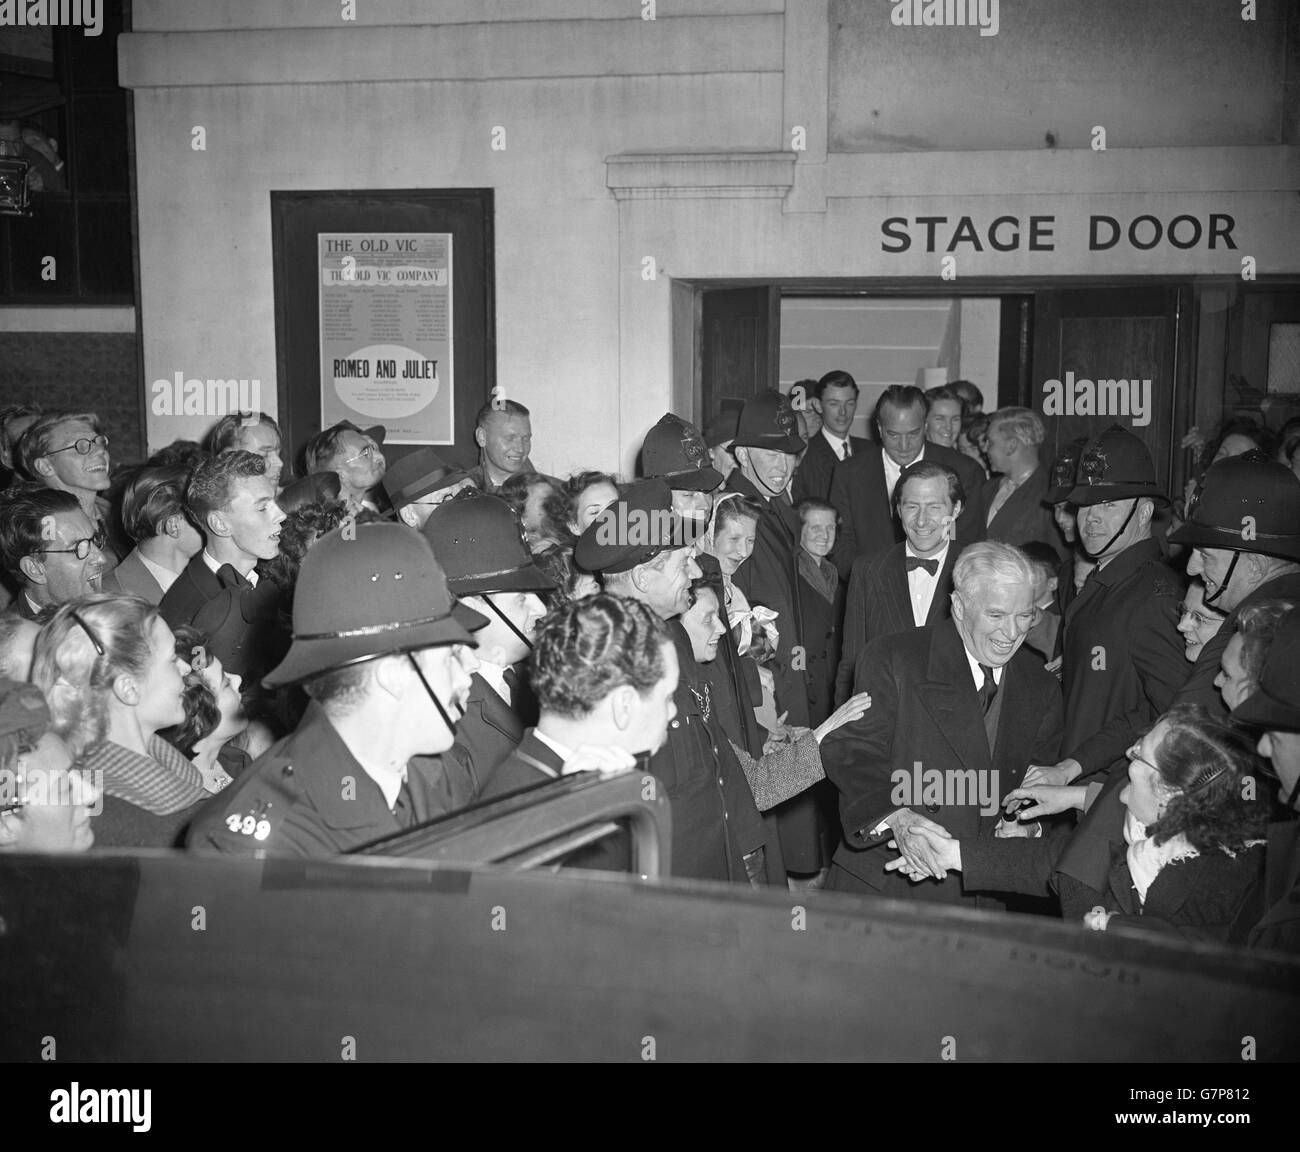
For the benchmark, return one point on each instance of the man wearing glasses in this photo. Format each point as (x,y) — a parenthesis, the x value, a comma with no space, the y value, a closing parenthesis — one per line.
(69,452)
(51,547)
(354,454)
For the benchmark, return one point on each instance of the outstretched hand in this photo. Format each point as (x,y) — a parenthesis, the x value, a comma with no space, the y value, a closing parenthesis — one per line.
(854,708)
(1045,800)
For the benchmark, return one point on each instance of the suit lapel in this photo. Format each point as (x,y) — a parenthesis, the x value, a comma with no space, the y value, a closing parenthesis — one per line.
(939,607)
(1018,723)
(899,605)
(948,695)
(496,712)
(538,754)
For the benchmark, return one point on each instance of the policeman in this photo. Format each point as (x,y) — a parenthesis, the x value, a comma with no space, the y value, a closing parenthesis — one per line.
(1123,657)
(645,552)
(674,452)
(1077,563)
(1245,538)
(382,649)
(480,544)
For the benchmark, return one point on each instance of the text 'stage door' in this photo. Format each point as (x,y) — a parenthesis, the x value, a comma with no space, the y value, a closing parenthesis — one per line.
(384,305)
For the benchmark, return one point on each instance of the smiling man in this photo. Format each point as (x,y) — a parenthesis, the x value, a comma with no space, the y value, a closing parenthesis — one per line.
(908,585)
(1245,538)
(862,488)
(69,452)
(356,456)
(232,501)
(50,546)
(384,652)
(836,395)
(959,699)
(503,432)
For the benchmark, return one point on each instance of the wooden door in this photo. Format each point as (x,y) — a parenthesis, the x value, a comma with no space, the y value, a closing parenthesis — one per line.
(1113,356)
(740,344)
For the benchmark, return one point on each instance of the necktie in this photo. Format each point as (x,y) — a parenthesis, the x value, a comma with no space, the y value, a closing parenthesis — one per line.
(988,690)
(845,450)
(403,809)
(915,562)
(228,576)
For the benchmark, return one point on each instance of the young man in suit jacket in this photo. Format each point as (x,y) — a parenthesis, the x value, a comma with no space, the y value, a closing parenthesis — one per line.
(958,710)
(1013,505)
(479,541)
(220,593)
(153,514)
(862,487)
(836,396)
(910,585)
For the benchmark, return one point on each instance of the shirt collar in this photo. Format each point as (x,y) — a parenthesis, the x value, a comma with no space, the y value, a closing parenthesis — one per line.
(554,745)
(833,440)
(495,676)
(977,673)
(941,555)
(165,576)
(214,566)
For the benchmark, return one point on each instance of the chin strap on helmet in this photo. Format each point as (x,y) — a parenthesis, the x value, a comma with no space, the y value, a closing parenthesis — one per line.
(1223,584)
(451,727)
(505,620)
(1119,532)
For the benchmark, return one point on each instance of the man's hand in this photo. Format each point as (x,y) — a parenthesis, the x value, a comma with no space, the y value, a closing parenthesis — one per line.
(1053,775)
(854,708)
(607,760)
(1047,799)
(917,849)
(1097,919)
(945,851)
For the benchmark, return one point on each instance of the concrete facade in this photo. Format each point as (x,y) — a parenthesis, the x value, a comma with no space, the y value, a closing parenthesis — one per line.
(696,145)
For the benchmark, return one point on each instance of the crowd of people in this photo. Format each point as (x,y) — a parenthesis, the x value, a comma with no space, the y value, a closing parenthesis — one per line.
(928,665)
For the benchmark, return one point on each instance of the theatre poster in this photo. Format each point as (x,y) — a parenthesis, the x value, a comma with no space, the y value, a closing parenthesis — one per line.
(386,333)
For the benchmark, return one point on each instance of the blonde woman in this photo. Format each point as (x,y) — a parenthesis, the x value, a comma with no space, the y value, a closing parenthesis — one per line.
(112,679)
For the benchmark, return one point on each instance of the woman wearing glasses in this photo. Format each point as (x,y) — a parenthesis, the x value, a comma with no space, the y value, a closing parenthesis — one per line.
(1197,624)
(110,673)
(1193,846)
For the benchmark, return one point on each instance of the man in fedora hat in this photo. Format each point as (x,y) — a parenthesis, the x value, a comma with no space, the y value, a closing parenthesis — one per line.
(1245,538)
(383,651)
(1272,919)
(419,482)
(355,454)
(1122,655)
(480,545)
(643,551)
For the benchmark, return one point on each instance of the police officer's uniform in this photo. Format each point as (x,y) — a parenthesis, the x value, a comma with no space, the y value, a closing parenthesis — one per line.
(480,545)
(373,592)
(1123,656)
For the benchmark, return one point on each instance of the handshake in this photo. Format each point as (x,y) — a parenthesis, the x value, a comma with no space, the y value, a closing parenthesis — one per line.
(928,851)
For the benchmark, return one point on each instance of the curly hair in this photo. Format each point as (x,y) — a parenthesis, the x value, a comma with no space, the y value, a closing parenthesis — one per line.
(202,713)
(561,506)
(1205,761)
(299,530)
(210,486)
(76,677)
(585,649)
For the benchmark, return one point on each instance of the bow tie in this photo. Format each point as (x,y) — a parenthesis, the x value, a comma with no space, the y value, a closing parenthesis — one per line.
(915,562)
(230,577)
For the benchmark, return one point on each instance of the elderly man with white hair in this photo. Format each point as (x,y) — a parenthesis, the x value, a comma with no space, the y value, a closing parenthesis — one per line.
(958,713)
(1014,499)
